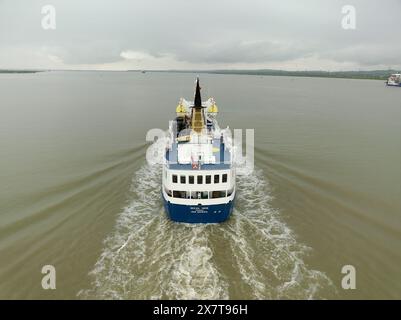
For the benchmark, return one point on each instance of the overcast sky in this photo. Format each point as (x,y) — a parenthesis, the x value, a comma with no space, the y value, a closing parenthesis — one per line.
(202,34)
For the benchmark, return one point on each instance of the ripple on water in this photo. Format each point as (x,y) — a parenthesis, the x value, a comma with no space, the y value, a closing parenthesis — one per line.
(149,257)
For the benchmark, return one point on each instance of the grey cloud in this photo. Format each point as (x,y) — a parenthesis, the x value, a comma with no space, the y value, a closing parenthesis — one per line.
(368,54)
(253,32)
(243,51)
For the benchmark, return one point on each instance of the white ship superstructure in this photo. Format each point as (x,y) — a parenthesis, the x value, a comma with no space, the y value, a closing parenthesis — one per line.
(198,175)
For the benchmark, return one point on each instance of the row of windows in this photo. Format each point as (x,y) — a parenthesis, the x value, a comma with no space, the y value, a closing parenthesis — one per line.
(199,179)
(199,194)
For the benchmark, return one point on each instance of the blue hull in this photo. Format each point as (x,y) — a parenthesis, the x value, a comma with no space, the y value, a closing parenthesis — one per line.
(198,214)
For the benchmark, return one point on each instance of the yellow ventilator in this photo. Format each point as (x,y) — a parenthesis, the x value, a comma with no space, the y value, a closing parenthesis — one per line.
(213,109)
(180,110)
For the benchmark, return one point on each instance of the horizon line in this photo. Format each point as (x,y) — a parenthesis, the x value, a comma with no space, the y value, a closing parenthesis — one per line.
(194,70)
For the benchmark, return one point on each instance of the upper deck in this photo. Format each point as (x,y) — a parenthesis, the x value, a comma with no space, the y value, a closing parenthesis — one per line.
(213,155)
(195,139)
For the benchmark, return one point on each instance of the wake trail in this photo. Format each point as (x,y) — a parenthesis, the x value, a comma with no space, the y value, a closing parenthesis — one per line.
(149,257)
(266,252)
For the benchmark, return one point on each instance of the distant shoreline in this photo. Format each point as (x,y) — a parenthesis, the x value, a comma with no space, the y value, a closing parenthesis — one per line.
(369,75)
(20,71)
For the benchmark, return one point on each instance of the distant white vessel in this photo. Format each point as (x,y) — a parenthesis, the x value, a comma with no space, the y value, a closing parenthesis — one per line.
(394,80)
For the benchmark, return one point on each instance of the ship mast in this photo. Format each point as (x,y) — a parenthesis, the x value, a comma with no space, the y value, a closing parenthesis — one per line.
(197,116)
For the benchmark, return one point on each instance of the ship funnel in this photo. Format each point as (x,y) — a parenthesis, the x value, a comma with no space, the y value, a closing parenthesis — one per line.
(198,99)
(197,117)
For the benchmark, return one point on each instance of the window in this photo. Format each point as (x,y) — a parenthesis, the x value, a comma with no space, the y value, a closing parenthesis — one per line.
(216,178)
(217,194)
(199,194)
(199,179)
(180,194)
(174,178)
(208,179)
(230,192)
(182,179)
(191,180)
(224,179)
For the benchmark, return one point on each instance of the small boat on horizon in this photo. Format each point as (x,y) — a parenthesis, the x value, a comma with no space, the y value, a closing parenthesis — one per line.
(394,80)
(198,183)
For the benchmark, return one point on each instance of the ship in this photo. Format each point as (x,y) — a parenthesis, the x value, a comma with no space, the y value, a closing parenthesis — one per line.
(198,176)
(394,80)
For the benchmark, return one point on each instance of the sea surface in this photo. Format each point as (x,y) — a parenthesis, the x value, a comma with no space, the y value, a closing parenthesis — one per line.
(76,191)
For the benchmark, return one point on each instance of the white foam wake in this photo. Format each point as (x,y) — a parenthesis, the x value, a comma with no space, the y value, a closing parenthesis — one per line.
(265,251)
(253,255)
(148,256)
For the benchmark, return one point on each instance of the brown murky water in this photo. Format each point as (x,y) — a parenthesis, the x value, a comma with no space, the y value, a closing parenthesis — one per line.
(76,192)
